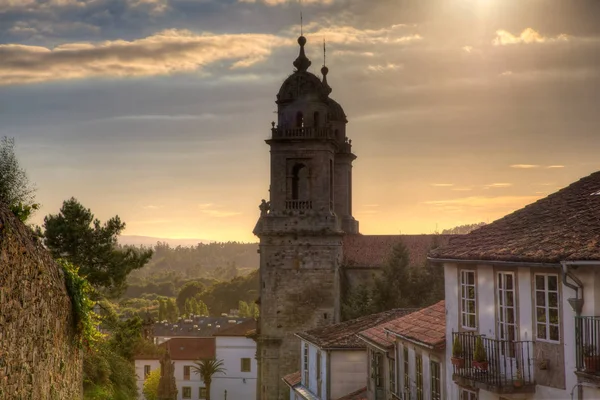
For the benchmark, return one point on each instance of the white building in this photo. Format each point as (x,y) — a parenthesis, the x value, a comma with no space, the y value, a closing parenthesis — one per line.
(238,353)
(184,352)
(334,360)
(406,356)
(528,285)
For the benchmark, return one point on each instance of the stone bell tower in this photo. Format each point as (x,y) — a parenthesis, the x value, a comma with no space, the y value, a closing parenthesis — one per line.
(302,226)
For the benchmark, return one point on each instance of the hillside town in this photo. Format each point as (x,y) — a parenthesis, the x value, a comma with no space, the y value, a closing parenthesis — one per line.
(501,310)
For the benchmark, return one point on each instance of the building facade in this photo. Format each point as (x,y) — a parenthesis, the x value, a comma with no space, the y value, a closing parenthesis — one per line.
(523,300)
(301,227)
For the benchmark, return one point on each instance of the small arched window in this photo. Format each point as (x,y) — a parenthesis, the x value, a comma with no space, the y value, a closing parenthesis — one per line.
(316,119)
(299,120)
(300,186)
(337,135)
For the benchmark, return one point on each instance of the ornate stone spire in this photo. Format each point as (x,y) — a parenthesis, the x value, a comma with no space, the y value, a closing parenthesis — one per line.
(302,62)
(325,71)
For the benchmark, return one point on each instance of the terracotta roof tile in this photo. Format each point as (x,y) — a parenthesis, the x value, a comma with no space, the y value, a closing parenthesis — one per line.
(293,379)
(343,335)
(360,394)
(373,250)
(426,326)
(565,226)
(241,329)
(191,348)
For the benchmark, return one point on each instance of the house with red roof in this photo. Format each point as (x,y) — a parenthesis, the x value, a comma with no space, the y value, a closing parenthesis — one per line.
(523,301)
(333,364)
(406,357)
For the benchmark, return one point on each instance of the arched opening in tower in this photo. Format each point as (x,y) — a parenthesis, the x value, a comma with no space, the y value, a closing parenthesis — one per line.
(316,119)
(299,120)
(300,182)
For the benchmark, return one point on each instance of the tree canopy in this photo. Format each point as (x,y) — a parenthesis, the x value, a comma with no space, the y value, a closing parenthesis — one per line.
(16,190)
(75,235)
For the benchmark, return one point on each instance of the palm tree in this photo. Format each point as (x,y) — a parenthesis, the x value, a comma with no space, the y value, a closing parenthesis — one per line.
(206,369)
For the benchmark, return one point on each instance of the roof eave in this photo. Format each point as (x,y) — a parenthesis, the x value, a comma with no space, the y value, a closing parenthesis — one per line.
(374,344)
(414,341)
(494,262)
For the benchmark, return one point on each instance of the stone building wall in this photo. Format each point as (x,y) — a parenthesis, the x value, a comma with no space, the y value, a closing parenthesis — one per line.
(37,357)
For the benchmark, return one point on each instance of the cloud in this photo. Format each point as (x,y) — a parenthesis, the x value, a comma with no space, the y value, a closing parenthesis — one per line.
(151,207)
(497,185)
(346,34)
(554,166)
(371,205)
(524,166)
(167,52)
(279,2)
(529,35)
(462,189)
(485,201)
(384,68)
(468,49)
(442,184)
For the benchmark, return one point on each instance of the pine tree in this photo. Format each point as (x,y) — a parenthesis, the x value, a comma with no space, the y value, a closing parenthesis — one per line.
(162,310)
(243,309)
(172,311)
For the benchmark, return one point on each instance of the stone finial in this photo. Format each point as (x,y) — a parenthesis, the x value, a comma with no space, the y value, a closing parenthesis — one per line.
(302,62)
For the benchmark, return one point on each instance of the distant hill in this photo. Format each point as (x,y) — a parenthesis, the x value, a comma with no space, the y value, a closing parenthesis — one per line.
(151,241)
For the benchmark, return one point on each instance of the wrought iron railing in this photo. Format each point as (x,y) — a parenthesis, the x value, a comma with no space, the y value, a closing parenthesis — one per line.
(587,344)
(508,363)
(298,205)
(302,133)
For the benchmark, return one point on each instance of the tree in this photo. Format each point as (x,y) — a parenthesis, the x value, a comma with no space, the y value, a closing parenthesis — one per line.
(207,369)
(172,311)
(162,310)
(462,229)
(188,291)
(75,235)
(244,309)
(15,189)
(393,286)
(150,389)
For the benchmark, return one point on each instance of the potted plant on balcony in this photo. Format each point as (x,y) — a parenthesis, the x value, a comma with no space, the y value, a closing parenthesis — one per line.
(518,381)
(591,358)
(480,360)
(457,353)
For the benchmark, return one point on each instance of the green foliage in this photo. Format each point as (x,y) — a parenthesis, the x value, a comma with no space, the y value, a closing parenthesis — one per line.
(172,311)
(358,302)
(162,310)
(187,292)
(462,229)
(15,189)
(207,369)
(248,310)
(457,349)
(84,319)
(107,375)
(479,353)
(74,234)
(150,390)
(225,296)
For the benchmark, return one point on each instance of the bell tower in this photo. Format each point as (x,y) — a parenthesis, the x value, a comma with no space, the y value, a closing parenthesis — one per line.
(301,227)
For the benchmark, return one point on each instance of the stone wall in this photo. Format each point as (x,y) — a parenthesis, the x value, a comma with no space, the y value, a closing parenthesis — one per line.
(37,357)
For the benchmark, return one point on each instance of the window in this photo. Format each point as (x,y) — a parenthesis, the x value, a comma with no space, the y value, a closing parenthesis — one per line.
(319,381)
(186,392)
(300,182)
(305,365)
(419,376)
(316,119)
(392,372)
(546,307)
(465,394)
(246,365)
(507,314)
(202,393)
(406,374)
(186,372)
(468,301)
(376,369)
(147,370)
(299,120)
(436,387)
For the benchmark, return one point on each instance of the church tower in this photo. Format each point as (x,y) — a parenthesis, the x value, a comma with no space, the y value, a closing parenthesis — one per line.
(302,226)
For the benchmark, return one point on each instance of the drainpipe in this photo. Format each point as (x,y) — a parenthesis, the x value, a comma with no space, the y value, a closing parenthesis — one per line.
(577,306)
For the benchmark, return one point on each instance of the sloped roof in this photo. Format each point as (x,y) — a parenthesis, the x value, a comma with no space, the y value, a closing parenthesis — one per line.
(360,394)
(565,226)
(241,329)
(343,335)
(187,349)
(293,379)
(426,326)
(371,251)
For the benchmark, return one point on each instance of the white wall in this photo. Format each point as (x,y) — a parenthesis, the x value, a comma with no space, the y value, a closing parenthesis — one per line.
(348,372)
(451,289)
(139,371)
(427,356)
(239,385)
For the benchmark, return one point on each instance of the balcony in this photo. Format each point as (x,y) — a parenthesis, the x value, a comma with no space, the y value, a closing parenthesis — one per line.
(509,367)
(298,205)
(302,133)
(587,348)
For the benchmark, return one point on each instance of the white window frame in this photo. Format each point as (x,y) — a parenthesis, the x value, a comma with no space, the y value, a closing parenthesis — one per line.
(435,378)
(249,361)
(465,394)
(392,375)
(200,395)
(465,299)
(406,372)
(546,307)
(188,376)
(305,368)
(419,377)
(183,391)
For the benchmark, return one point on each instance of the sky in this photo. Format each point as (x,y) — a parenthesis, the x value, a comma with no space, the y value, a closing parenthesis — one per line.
(460,111)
